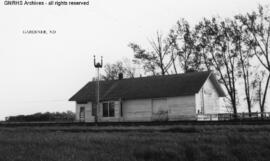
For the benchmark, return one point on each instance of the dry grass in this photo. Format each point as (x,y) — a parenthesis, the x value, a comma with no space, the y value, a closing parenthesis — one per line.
(187,143)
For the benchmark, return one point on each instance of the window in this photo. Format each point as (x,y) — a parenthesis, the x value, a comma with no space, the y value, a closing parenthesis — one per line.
(111,109)
(105,109)
(108,109)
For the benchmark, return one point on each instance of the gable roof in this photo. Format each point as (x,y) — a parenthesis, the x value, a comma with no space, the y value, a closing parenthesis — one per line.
(147,87)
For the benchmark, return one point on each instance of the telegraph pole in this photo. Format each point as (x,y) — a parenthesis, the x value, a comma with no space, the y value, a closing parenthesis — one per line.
(97,65)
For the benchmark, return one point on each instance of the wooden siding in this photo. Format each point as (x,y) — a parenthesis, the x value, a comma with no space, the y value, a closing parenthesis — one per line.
(160,109)
(211,99)
(137,110)
(88,112)
(207,99)
(198,100)
(182,108)
(173,108)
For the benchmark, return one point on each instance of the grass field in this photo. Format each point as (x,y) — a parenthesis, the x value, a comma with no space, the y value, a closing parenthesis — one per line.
(154,143)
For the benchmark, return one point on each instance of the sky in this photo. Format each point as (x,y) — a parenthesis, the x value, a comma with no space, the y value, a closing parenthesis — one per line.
(39,73)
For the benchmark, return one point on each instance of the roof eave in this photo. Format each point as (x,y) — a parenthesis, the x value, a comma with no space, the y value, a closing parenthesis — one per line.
(219,89)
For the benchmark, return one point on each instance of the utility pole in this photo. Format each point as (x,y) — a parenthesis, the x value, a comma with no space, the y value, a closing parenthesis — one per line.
(97,65)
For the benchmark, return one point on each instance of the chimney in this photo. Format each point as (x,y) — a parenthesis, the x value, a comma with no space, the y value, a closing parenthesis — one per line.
(120,76)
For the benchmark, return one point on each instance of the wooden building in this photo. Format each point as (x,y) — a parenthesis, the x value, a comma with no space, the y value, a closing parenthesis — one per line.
(155,98)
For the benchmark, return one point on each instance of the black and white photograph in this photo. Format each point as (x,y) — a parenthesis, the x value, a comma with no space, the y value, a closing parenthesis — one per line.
(134,80)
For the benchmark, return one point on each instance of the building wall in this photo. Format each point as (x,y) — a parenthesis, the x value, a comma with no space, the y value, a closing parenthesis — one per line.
(207,99)
(137,110)
(211,98)
(172,108)
(199,103)
(88,112)
(160,109)
(182,108)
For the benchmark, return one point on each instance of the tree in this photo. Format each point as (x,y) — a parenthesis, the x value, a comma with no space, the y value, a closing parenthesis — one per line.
(113,70)
(228,46)
(184,41)
(243,50)
(257,83)
(156,61)
(68,116)
(215,42)
(257,27)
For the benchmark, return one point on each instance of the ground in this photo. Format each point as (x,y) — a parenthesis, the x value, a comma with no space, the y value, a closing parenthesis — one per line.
(142,143)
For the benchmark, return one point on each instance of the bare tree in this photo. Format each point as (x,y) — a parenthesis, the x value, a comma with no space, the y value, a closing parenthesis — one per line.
(184,42)
(257,83)
(257,27)
(130,68)
(243,50)
(158,60)
(112,71)
(216,44)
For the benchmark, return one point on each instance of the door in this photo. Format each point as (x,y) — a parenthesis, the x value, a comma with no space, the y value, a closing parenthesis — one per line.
(82,114)
(160,110)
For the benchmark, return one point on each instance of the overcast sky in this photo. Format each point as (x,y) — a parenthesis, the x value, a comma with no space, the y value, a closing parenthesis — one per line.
(40,73)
